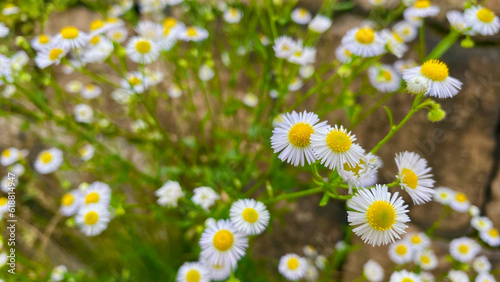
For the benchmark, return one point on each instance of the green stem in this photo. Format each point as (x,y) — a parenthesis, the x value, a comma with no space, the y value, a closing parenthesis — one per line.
(444,45)
(446,211)
(295,195)
(421,50)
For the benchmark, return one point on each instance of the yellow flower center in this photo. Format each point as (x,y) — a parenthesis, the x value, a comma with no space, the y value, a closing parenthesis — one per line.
(401,250)
(365,35)
(233,12)
(338,141)
(193,276)
(386,75)
(192,31)
(134,80)
(92,198)
(69,32)
(298,54)
(90,87)
(406,279)
(493,232)
(223,240)
(46,157)
(421,4)
(250,215)
(55,53)
(169,22)
(67,199)
(461,198)
(347,52)
(6,153)
(91,218)
(463,249)
(409,178)
(43,39)
(117,35)
(415,239)
(3,201)
(112,20)
(300,134)
(397,37)
(302,12)
(435,70)
(381,215)
(95,40)
(292,264)
(425,259)
(355,169)
(143,46)
(96,24)
(485,15)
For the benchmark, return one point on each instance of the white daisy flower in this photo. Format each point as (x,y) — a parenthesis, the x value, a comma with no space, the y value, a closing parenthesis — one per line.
(343,54)
(71,202)
(422,9)
(74,86)
(10,9)
(217,271)
(301,16)
(135,81)
(138,125)
(250,100)
(481,223)
(404,276)
(321,260)
(372,271)
(4,30)
(19,60)
(233,15)
(312,272)
(418,241)
(154,77)
(309,251)
(90,91)
(364,42)
(18,169)
(284,46)
(335,146)
(482,20)
(205,197)
(400,252)
(118,35)
(122,96)
(491,237)
(93,219)
(222,244)
(193,33)
(414,176)
(395,43)
(457,20)
(459,202)
(443,195)
(249,216)
(303,55)
(98,52)
(97,193)
(142,50)
(464,249)
(205,73)
(306,71)
(427,276)
(263,39)
(172,27)
(292,267)
(11,155)
(174,91)
(457,276)
(401,65)
(295,84)
(169,194)
(50,56)
(362,175)
(292,137)
(474,211)
(426,259)
(58,272)
(384,78)
(378,215)
(149,30)
(193,272)
(485,277)
(405,30)
(48,161)
(83,113)
(320,24)
(441,85)
(86,152)
(481,264)
(4,184)
(70,38)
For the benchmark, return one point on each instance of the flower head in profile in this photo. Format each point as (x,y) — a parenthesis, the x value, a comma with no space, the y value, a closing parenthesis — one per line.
(414,177)
(233,15)
(293,267)
(301,16)
(320,24)
(363,174)
(373,271)
(441,85)
(284,46)
(169,194)
(205,197)
(58,272)
(292,137)
(379,217)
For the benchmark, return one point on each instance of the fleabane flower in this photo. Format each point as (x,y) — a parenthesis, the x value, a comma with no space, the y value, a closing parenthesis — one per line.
(86,152)
(464,249)
(364,42)
(97,193)
(481,264)
(443,195)
(301,16)
(90,91)
(482,20)
(284,46)
(401,65)
(118,35)
(426,259)
(457,276)
(379,217)
(405,31)
(485,277)
(334,147)
(71,202)
(295,84)
(10,9)
(459,202)
(404,276)
(372,271)
(418,241)
(400,252)
(303,55)
(193,272)
(481,223)
(343,54)
(58,272)
(193,33)
(149,30)
(217,271)
(233,15)
(292,267)
(11,155)
(363,174)
(205,197)
(292,137)
(491,237)
(135,81)
(48,161)
(142,50)
(4,30)
(93,219)
(249,216)
(221,243)
(70,38)
(49,56)
(83,113)
(41,42)
(441,85)
(414,177)
(457,20)
(422,9)
(169,194)
(384,78)
(320,24)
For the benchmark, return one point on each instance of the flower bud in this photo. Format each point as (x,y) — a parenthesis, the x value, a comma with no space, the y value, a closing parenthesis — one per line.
(467,43)
(436,115)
